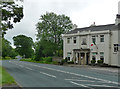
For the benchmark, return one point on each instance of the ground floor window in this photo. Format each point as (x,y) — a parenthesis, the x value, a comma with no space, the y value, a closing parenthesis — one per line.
(68,56)
(102,56)
(93,58)
(115,47)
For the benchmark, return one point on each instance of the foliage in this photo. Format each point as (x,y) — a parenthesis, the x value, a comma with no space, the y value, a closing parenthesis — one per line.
(11,13)
(24,45)
(93,61)
(42,61)
(48,59)
(6,78)
(7,57)
(7,50)
(49,33)
(70,62)
(100,61)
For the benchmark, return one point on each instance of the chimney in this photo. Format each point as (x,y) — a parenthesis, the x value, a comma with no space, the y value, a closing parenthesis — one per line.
(117,21)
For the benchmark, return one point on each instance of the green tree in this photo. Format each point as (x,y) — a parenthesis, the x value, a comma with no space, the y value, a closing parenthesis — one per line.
(24,45)
(11,13)
(50,28)
(7,50)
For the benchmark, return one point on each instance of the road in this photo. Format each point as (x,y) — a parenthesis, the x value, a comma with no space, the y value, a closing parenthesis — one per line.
(29,74)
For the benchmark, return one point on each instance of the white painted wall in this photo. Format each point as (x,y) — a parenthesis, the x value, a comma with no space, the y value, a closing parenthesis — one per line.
(102,47)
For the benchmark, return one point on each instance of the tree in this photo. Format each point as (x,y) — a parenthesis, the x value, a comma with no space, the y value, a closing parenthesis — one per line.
(7,50)
(23,45)
(50,27)
(11,13)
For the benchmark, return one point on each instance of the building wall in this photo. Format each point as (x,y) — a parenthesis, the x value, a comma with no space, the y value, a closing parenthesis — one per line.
(107,46)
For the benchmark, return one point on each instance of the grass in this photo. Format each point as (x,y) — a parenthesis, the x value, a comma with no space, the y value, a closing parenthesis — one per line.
(44,62)
(5,77)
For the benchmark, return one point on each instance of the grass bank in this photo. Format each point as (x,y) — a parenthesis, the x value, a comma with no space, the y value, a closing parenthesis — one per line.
(43,61)
(5,77)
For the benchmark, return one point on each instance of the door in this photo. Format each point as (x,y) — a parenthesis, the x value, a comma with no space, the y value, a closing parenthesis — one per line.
(82,58)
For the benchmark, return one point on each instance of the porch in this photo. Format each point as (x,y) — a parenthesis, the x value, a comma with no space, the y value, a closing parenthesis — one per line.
(81,56)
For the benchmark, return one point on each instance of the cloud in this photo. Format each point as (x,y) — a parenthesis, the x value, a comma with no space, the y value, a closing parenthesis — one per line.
(82,12)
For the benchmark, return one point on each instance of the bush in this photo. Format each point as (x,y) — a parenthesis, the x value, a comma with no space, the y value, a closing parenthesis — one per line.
(70,62)
(93,61)
(47,59)
(62,61)
(7,58)
(100,61)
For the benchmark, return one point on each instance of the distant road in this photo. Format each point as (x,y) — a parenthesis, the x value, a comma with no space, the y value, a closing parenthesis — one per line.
(29,74)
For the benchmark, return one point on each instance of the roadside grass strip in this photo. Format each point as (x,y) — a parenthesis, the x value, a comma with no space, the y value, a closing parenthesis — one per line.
(6,78)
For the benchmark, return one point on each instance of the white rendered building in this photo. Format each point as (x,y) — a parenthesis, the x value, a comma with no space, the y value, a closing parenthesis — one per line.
(95,42)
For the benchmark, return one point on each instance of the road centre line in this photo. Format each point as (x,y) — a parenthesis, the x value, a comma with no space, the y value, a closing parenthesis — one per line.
(80,85)
(107,81)
(28,68)
(101,85)
(48,74)
(80,80)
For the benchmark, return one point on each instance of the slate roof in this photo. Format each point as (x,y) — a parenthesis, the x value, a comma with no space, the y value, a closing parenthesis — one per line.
(95,28)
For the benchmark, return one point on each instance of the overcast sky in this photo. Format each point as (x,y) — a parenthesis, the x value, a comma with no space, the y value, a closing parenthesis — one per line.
(82,13)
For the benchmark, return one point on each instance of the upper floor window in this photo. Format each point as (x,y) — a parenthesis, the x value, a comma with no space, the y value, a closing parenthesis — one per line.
(115,47)
(68,40)
(84,42)
(101,38)
(94,39)
(74,40)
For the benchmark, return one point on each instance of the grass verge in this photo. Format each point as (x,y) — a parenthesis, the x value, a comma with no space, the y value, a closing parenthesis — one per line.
(5,78)
(43,62)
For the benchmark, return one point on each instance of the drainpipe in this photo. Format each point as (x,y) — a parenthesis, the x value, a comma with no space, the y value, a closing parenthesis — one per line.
(110,34)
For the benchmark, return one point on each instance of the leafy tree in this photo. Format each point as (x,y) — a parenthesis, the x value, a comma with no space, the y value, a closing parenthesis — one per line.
(11,13)
(50,27)
(23,45)
(7,50)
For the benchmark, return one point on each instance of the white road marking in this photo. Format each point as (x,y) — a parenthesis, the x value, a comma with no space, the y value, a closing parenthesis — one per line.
(107,81)
(48,74)
(80,85)
(80,80)
(101,85)
(28,68)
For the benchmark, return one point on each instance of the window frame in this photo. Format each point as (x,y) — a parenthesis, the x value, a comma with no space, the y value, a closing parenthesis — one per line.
(68,40)
(102,38)
(74,40)
(94,37)
(115,47)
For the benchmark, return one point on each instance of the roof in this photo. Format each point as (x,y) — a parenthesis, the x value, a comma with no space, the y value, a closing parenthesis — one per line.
(95,28)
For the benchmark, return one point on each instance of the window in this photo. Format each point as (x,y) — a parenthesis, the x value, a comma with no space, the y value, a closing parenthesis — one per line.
(93,58)
(102,56)
(94,39)
(84,41)
(74,40)
(115,47)
(68,40)
(68,55)
(101,38)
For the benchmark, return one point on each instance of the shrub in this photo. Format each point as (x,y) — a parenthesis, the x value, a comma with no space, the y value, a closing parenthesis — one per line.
(70,62)
(8,58)
(47,59)
(100,61)
(93,61)
(62,61)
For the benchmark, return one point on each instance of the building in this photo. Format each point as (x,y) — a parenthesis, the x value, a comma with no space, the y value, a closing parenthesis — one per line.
(93,43)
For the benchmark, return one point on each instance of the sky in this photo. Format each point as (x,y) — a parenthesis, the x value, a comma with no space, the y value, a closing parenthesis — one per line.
(83,13)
